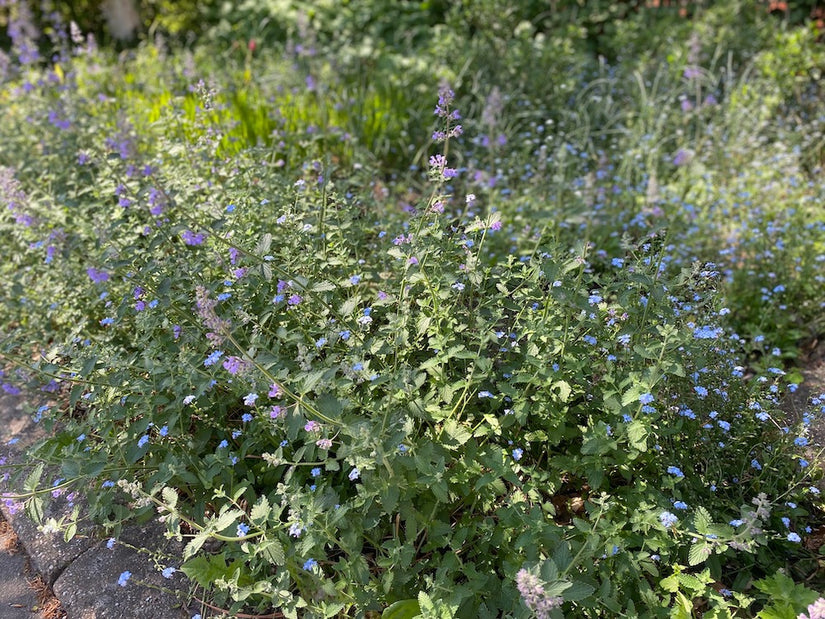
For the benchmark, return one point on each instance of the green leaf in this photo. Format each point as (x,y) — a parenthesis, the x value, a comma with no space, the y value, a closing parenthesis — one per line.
(170,497)
(698,553)
(324,286)
(632,394)
(456,432)
(70,532)
(273,551)
(389,498)
(556,587)
(402,609)
(781,588)
(205,570)
(637,435)
(88,367)
(564,390)
(195,544)
(701,520)
(34,509)
(30,485)
(349,306)
(578,591)
(670,584)
(225,520)
(264,244)
(260,511)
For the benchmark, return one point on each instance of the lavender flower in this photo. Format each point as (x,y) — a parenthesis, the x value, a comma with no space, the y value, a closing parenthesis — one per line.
(815,610)
(533,594)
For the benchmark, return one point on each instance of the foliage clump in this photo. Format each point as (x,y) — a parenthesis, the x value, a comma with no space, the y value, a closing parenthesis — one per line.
(531,375)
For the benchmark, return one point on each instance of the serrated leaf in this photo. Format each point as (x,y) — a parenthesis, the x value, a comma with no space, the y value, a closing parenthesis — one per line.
(564,390)
(349,306)
(701,520)
(556,587)
(194,545)
(34,509)
(205,570)
(260,511)
(456,432)
(578,591)
(311,380)
(273,551)
(264,244)
(88,367)
(670,584)
(33,479)
(324,286)
(698,553)
(170,496)
(691,583)
(225,520)
(637,435)
(632,395)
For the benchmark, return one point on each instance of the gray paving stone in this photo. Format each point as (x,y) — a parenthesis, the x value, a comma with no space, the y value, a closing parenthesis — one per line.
(83,573)
(17,599)
(49,554)
(88,588)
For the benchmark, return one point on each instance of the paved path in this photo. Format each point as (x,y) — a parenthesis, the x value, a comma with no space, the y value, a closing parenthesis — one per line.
(18,600)
(83,573)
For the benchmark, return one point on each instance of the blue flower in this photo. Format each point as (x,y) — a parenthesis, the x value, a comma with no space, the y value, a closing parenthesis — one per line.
(646,398)
(223,444)
(309,564)
(590,340)
(143,440)
(680,505)
(242,530)
(124,578)
(249,399)
(667,519)
(675,470)
(800,441)
(354,474)
(724,425)
(794,537)
(167,572)
(212,359)
(517,454)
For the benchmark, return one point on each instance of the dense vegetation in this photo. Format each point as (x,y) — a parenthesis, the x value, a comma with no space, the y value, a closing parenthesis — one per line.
(426,309)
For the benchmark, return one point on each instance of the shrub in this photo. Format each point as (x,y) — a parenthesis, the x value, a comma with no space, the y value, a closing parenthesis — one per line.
(498,398)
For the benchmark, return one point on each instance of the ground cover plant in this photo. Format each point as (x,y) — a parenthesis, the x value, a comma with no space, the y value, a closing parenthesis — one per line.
(447,339)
